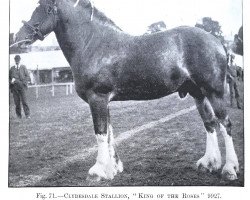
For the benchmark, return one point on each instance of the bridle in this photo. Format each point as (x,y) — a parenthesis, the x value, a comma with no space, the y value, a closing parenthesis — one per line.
(50,9)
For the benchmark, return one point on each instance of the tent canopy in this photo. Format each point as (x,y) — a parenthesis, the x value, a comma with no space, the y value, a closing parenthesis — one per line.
(41,60)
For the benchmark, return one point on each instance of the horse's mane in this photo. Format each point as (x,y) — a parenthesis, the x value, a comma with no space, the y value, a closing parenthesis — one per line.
(98,14)
(104,19)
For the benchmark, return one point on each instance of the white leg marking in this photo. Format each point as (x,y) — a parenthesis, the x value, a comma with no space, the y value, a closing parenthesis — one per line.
(117,164)
(212,158)
(100,167)
(232,165)
(107,164)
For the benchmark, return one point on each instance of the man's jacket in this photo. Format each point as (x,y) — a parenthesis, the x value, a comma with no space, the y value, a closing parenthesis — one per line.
(21,77)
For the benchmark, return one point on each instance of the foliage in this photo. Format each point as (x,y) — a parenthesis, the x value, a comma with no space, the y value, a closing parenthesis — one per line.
(238,42)
(212,27)
(156,27)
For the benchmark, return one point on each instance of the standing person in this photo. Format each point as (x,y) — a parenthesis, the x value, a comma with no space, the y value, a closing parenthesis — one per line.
(232,80)
(19,77)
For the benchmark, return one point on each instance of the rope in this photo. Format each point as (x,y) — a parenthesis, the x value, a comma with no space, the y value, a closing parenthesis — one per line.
(21,41)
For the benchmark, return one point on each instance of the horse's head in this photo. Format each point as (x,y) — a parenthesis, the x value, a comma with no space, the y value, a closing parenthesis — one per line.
(43,21)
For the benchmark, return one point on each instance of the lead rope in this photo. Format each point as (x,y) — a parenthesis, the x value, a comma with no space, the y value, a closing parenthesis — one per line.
(21,41)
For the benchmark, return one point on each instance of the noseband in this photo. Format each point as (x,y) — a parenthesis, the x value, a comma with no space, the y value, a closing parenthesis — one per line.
(51,8)
(36,29)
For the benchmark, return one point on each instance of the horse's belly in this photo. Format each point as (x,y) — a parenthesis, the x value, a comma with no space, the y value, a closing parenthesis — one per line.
(141,93)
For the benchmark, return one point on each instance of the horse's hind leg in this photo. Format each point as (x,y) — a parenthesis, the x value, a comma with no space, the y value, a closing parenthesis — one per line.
(107,162)
(232,166)
(212,159)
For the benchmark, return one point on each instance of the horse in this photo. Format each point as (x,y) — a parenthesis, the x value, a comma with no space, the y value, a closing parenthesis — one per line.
(111,65)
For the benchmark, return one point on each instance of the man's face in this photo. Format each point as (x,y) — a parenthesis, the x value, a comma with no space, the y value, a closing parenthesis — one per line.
(17,61)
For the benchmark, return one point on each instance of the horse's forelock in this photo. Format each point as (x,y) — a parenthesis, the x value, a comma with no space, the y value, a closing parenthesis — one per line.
(44,2)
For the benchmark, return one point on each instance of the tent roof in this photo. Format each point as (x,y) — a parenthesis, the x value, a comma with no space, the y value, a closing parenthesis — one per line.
(42,60)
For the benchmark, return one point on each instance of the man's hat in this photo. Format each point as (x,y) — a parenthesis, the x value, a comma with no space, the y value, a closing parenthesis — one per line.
(17,58)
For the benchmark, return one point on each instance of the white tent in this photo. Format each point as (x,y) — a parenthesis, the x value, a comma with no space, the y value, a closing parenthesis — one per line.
(41,60)
(238,60)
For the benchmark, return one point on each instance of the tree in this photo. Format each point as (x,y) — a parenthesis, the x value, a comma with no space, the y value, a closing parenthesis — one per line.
(212,27)
(156,27)
(238,42)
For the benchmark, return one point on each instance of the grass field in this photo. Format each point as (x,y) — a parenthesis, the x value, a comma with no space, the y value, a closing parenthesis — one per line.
(56,147)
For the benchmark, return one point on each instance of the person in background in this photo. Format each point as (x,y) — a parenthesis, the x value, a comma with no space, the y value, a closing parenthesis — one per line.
(232,81)
(19,78)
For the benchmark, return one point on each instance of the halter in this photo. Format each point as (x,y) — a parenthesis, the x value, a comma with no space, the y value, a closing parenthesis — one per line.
(51,8)
(36,29)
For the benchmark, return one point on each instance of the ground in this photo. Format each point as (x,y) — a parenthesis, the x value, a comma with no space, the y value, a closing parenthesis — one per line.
(57,146)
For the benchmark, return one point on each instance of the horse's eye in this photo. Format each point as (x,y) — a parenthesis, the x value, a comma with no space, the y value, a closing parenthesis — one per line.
(49,10)
(55,9)
(36,24)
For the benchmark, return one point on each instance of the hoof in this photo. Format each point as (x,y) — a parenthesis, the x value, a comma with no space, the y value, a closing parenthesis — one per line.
(93,178)
(229,176)
(202,168)
(98,172)
(101,171)
(208,165)
(230,171)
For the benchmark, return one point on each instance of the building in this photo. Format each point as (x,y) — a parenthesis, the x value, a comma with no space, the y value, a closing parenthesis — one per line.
(46,67)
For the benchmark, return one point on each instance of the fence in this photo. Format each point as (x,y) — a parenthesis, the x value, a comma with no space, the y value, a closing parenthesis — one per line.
(68,88)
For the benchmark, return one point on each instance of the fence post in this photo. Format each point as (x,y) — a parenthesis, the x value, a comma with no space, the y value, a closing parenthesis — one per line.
(67,91)
(71,88)
(53,90)
(36,92)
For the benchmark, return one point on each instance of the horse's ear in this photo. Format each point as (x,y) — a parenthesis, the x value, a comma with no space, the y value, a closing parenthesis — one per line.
(41,2)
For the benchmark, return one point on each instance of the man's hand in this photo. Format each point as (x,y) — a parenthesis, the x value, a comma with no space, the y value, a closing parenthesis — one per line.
(13,80)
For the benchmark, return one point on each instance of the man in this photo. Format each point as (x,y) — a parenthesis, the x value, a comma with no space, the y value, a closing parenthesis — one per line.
(232,81)
(19,78)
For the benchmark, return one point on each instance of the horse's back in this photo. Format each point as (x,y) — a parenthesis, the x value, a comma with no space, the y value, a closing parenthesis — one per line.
(203,56)
(185,53)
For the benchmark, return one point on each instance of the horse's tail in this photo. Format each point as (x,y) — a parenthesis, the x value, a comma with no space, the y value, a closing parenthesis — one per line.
(226,51)
(229,76)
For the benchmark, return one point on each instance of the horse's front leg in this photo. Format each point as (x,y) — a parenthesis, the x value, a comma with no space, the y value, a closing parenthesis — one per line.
(107,162)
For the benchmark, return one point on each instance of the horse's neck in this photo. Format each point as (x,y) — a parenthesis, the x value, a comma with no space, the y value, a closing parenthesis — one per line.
(82,34)
(71,39)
